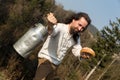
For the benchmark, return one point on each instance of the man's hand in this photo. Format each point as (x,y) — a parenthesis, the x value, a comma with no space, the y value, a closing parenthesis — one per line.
(51,21)
(87,52)
(51,18)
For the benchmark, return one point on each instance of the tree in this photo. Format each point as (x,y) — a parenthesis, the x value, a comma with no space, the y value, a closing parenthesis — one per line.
(108,42)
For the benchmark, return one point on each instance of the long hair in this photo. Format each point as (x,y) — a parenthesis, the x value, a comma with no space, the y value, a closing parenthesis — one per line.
(77,16)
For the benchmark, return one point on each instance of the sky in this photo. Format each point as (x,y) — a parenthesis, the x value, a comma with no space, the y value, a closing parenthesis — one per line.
(100,11)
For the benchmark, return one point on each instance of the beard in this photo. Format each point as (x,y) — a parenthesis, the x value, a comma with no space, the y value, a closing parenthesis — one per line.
(72,31)
(75,34)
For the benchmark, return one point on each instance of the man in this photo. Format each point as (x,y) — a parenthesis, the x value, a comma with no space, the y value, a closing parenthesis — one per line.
(61,38)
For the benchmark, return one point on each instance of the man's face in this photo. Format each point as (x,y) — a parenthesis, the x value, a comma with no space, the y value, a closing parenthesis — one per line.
(79,25)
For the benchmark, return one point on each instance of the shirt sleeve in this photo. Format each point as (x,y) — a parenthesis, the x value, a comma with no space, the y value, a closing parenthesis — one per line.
(56,30)
(76,49)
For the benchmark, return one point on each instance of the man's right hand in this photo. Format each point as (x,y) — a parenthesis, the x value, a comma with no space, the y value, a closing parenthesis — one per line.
(51,18)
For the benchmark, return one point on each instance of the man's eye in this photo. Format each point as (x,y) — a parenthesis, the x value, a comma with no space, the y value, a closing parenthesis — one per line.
(80,25)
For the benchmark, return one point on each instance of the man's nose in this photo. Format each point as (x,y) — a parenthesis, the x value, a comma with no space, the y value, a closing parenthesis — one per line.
(79,28)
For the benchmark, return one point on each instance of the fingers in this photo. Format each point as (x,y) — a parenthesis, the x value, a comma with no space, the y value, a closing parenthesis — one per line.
(51,18)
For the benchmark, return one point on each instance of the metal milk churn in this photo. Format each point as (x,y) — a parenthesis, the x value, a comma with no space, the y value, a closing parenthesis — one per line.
(30,40)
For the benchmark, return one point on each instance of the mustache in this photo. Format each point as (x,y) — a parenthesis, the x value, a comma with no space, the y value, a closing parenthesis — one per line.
(72,31)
